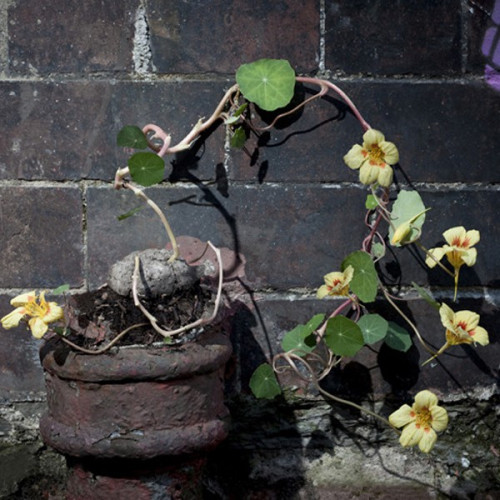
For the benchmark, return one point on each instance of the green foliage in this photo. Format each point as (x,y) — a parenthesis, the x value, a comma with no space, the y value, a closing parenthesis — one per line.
(236,115)
(264,383)
(343,336)
(378,250)
(60,289)
(146,168)
(364,281)
(373,327)
(132,136)
(130,213)
(238,138)
(371,202)
(269,83)
(426,296)
(301,339)
(408,209)
(398,338)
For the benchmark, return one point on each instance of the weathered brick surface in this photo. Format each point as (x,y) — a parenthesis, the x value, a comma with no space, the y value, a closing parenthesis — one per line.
(439,136)
(219,35)
(477,18)
(59,131)
(394,38)
(41,243)
(91,36)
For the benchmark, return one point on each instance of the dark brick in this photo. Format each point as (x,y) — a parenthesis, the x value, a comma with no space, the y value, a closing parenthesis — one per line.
(61,131)
(85,37)
(42,242)
(259,329)
(21,370)
(277,229)
(220,35)
(440,136)
(394,37)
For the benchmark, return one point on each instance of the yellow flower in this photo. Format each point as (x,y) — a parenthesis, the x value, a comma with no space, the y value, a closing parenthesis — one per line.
(420,421)
(373,158)
(42,313)
(458,250)
(336,283)
(462,327)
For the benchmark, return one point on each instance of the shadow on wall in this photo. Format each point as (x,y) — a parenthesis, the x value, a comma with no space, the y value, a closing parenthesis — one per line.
(491,49)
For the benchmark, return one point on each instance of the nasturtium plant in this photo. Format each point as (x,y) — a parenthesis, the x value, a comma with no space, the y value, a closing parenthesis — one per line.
(397,337)
(269,83)
(146,168)
(426,296)
(238,138)
(264,383)
(373,327)
(343,336)
(132,136)
(371,202)
(301,339)
(408,215)
(364,282)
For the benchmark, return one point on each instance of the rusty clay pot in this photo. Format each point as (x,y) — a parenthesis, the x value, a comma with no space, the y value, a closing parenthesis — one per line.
(137,402)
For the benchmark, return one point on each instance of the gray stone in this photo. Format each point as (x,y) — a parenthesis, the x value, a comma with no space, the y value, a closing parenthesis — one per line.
(157,276)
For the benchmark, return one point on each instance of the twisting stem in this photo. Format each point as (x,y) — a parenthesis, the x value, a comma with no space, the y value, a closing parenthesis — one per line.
(140,193)
(107,346)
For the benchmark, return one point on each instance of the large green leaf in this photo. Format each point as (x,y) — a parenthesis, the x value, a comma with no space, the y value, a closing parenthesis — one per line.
(132,136)
(263,382)
(146,168)
(397,337)
(364,281)
(373,327)
(343,336)
(408,209)
(301,339)
(269,83)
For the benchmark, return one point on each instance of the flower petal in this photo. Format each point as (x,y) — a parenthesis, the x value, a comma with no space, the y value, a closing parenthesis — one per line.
(22,299)
(454,234)
(437,253)
(54,313)
(428,440)
(371,137)
(411,435)
(322,292)
(468,320)
(385,176)
(390,151)
(355,158)
(447,316)
(12,319)
(348,274)
(425,399)
(473,236)
(480,335)
(439,418)
(38,327)
(469,256)
(403,416)
(368,173)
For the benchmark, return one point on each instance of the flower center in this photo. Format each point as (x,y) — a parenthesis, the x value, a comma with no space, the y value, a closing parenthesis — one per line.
(376,154)
(423,417)
(36,310)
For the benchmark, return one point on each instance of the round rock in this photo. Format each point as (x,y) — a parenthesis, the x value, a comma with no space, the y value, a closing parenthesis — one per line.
(156,275)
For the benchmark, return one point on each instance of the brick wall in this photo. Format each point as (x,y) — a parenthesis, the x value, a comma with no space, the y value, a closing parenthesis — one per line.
(73,73)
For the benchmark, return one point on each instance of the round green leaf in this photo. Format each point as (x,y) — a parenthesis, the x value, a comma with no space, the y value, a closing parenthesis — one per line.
(132,136)
(264,383)
(269,83)
(146,168)
(343,336)
(397,337)
(364,281)
(301,338)
(373,327)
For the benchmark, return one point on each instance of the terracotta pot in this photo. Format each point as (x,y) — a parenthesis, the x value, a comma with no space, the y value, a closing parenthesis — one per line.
(138,402)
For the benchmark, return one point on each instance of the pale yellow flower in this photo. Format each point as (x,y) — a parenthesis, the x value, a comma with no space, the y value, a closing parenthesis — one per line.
(373,158)
(462,327)
(421,421)
(336,283)
(458,249)
(40,311)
